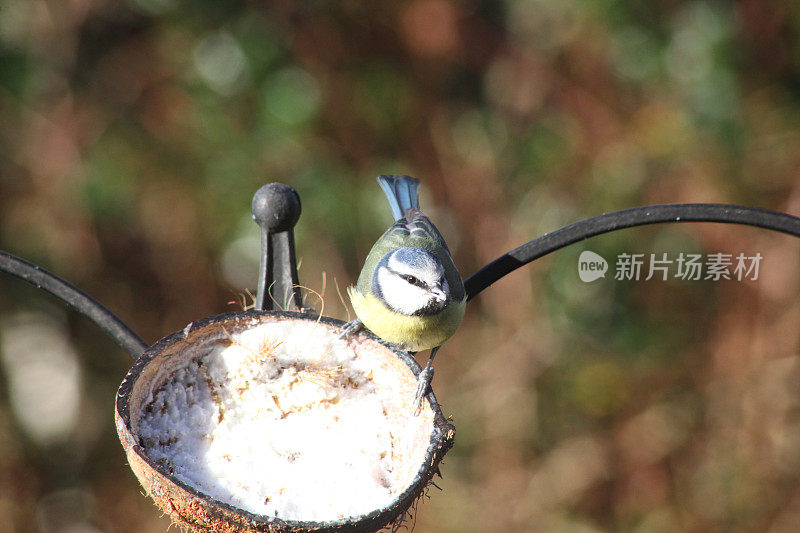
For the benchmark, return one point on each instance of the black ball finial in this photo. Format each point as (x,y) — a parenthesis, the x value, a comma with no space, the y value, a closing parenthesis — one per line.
(276,207)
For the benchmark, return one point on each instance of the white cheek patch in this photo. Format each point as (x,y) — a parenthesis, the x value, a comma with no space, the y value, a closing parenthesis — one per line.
(400,295)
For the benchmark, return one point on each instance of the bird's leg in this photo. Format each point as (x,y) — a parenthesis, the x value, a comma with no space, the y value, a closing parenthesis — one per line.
(351,327)
(424,381)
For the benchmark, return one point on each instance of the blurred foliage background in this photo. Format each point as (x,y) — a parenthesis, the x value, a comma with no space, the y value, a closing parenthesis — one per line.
(134,133)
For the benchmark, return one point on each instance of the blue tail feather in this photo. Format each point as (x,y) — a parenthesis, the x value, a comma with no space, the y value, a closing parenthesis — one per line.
(401,192)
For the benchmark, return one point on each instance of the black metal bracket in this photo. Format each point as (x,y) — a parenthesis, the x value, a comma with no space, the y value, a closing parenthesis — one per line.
(276,209)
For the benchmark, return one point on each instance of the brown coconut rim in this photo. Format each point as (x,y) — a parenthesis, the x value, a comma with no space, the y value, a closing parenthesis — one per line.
(191,508)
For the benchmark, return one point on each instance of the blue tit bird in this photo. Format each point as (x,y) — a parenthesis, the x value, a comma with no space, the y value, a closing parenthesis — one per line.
(409,292)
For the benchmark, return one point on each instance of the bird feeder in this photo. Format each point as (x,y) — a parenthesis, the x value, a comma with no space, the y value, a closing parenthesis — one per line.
(270,421)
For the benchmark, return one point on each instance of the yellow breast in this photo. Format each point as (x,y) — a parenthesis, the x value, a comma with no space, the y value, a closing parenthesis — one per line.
(414,333)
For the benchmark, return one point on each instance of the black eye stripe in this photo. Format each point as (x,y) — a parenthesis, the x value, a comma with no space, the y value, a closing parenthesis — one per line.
(410,278)
(413,280)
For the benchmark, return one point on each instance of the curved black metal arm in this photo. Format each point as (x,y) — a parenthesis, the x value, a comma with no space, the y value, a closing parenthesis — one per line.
(82,302)
(539,247)
(627,218)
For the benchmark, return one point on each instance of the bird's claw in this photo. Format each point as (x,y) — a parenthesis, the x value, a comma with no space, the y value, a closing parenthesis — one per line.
(423,384)
(351,327)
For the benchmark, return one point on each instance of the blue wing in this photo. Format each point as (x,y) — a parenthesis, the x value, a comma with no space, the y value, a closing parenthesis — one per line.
(401,192)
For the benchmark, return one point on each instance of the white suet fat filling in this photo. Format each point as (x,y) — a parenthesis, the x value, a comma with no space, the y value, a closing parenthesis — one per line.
(286,420)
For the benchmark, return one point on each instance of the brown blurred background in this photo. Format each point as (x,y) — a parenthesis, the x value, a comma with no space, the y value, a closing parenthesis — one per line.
(134,133)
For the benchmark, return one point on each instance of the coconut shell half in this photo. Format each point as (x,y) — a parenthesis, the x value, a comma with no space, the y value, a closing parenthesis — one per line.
(267,421)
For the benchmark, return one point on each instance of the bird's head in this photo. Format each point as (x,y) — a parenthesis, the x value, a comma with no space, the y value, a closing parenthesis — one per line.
(411,281)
